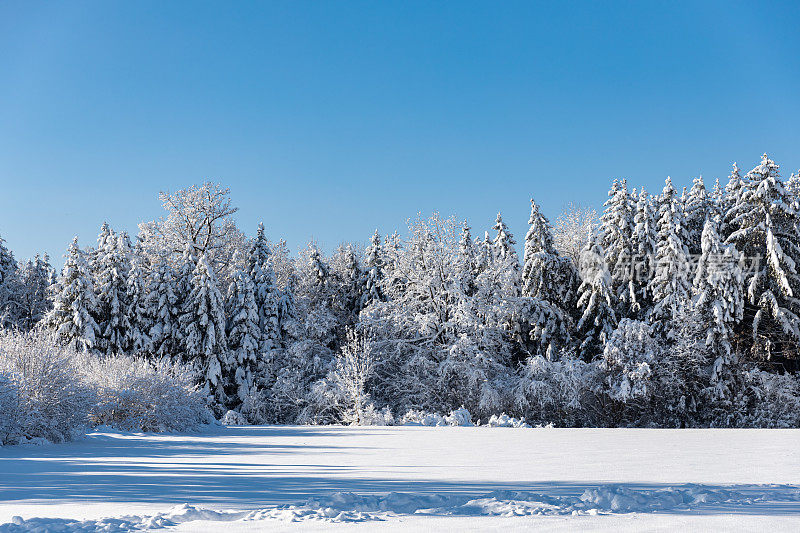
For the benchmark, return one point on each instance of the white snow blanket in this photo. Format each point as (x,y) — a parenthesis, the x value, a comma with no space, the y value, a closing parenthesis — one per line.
(256,478)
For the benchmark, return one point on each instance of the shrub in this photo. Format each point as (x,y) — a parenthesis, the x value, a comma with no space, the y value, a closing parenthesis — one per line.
(42,394)
(134,394)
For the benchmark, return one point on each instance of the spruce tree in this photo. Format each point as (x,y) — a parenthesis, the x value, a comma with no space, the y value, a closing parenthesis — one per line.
(546,275)
(670,286)
(138,320)
(114,263)
(698,210)
(506,261)
(9,287)
(597,318)
(374,266)
(718,305)
(766,232)
(244,339)
(617,226)
(75,303)
(644,248)
(163,306)
(203,321)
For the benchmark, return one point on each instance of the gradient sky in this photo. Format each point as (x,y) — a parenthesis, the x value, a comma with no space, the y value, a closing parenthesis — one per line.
(329,119)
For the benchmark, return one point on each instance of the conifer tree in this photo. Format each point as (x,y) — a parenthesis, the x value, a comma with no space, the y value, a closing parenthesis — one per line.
(9,286)
(718,305)
(75,303)
(34,302)
(545,274)
(698,210)
(203,320)
(164,308)
(244,338)
(505,257)
(597,318)
(138,319)
(374,266)
(670,285)
(766,232)
(617,226)
(113,264)
(644,248)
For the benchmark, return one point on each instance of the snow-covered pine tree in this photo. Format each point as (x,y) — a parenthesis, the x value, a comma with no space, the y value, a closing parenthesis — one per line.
(265,292)
(75,303)
(467,261)
(138,320)
(718,306)
(9,287)
(670,286)
(597,318)
(731,197)
(203,320)
(644,247)
(617,226)
(545,274)
(244,339)
(34,299)
(766,232)
(506,260)
(374,266)
(105,238)
(113,267)
(698,210)
(348,280)
(163,306)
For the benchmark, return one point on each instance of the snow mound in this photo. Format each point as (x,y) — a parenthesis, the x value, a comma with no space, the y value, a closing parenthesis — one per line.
(505,421)
(351,507)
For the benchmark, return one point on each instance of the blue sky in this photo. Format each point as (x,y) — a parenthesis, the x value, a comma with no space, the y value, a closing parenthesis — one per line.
(329,119)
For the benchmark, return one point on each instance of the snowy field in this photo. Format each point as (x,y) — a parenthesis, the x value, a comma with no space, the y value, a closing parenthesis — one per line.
(469,478)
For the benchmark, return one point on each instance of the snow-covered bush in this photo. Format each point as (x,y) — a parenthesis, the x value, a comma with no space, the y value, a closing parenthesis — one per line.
(556,392)
(42,393)
(375,417)
(139,395)
(233,418)
(422,418)
(769,400)
(626,367)
(459,417)
(505,421)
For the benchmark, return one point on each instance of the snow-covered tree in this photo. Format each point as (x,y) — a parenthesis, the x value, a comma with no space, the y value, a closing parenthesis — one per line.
(597,318)
(354,367)
(644,246)
(505,257)
(670,286)
(9,286)
(617,227)
(571,230)
(138,320)
(766,231)
(698,210)
(111,285)
(546,275)
(33,300)
(244,338)
(203,321)
(374,268)
(164,307)
(199,217)
(75,303)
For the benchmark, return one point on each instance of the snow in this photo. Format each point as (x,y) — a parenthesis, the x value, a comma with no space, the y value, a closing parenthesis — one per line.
(258,478)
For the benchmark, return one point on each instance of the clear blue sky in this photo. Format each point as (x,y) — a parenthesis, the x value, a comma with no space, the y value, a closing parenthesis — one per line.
(329,119)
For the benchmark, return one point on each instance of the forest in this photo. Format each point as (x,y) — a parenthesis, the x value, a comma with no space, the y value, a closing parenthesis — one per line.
(674,309)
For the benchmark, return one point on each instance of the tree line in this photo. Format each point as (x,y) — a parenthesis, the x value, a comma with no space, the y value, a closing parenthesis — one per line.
(675,309)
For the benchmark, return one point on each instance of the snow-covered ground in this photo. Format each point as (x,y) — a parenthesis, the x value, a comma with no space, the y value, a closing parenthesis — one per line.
(470,478)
